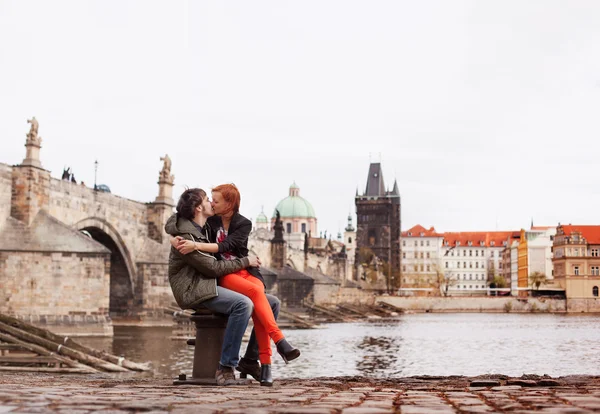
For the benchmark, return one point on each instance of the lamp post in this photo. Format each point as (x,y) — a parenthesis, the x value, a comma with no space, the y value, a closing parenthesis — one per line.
(95,174)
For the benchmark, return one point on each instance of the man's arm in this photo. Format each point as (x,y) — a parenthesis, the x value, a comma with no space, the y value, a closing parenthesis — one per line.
(233,241)
(210,267)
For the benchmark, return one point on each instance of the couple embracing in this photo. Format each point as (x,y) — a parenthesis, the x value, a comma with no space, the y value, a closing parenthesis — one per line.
(209,267)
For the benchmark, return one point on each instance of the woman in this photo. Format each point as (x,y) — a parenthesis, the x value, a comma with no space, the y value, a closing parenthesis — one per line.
(231,231)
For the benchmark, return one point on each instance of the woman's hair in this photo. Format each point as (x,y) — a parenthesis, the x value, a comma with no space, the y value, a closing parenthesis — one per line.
(231,195)
(188,201)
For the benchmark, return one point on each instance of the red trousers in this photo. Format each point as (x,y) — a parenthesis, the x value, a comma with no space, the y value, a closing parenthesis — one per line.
(265,327)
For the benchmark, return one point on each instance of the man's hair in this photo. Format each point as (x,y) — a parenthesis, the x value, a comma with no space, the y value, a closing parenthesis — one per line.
(188,201)
(231,195)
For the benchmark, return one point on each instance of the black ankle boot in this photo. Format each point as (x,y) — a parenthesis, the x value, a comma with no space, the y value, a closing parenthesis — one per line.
(249,367)
(266,379)
(287,352)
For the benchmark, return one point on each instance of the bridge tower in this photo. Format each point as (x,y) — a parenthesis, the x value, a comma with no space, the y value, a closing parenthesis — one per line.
(162,207)
(30,181)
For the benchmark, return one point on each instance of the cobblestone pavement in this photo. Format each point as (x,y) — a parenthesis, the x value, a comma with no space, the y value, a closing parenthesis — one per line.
(39,393)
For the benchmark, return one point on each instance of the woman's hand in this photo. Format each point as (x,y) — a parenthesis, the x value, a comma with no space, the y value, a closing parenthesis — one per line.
(254,261)
(175,241)
(185,246)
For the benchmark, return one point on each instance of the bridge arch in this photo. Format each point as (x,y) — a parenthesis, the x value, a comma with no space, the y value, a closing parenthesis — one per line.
(122,269)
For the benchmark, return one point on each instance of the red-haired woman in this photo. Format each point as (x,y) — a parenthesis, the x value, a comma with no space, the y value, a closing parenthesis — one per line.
(230,230)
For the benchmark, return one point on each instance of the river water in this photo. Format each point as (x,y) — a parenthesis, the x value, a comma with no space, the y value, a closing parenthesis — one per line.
(417,344)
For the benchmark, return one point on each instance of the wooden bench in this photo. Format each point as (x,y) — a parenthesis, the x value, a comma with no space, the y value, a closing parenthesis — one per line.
(210,329)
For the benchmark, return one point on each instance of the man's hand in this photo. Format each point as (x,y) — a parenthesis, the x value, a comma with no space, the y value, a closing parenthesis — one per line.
(185,246)
(254,261)
(175,241)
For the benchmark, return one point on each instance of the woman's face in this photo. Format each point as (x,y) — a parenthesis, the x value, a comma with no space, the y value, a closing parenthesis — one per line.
(219,204)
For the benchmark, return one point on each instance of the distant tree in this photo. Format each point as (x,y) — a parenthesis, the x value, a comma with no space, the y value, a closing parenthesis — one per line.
(499,281)
(537,279)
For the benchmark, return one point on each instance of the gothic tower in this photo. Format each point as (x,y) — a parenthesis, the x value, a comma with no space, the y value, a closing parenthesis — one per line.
(378,225)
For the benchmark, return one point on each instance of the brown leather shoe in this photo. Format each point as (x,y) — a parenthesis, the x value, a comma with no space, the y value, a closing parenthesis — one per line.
(225,376)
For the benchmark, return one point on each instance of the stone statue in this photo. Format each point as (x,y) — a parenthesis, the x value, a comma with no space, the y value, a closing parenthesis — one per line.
(165,173)
(32,136)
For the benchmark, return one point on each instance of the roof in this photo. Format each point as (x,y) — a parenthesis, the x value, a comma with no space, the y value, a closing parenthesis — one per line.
(420,231)
(288,273)
(262,218)
(320,278)
(480,238)
(375,184)
(591,233)
(46,234)
(294,206)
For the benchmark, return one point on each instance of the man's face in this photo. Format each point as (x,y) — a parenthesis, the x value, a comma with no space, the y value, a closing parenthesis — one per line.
(218,203)
(207,207)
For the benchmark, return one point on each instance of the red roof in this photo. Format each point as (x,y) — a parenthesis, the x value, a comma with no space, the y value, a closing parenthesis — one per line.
(417,230)
(590,233)
(477,237)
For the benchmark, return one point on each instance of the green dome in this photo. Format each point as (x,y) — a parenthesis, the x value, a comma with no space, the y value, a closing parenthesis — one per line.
(294,206)
(262,218)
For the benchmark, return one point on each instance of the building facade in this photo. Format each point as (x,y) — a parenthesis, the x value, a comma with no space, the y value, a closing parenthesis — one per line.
(576,263)
(422,274)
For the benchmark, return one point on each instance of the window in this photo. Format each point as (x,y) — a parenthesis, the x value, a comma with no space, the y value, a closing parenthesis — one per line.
(416,255)
(349,240)
(476,252)
(303,227)
(595,291)
(476,265)
(446,265)
(470,277)
(575,252)
(470,252)
(452,253)
(427,242)
(594,252)
(421,243)
(492,253)
(289,227)
(404,243)
(404,268)
(576,270)
(428,268)
(492,243)
(471,265)
(470,243)
(421,255)
(416,267)
(404,255)
(464,265)
(421,268)
(595,270)
(428,255)
(416,243)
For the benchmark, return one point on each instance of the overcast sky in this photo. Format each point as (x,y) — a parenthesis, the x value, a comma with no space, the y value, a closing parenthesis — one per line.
(486,112)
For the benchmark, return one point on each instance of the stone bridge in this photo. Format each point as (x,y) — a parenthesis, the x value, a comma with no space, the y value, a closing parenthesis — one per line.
(50,270)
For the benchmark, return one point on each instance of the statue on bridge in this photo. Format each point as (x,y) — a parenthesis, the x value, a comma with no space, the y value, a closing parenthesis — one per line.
(32,135)
(165,173)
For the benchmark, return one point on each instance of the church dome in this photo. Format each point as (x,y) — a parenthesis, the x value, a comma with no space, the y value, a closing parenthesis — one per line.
(294,206)
(262,218)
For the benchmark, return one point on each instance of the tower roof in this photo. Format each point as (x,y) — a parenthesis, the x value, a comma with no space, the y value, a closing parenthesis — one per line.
(375,183)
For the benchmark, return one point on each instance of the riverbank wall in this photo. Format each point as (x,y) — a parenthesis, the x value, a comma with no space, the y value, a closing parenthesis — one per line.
(476,304)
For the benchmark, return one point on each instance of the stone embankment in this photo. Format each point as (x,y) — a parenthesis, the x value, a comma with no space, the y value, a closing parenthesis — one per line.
(103,393)
(508,304)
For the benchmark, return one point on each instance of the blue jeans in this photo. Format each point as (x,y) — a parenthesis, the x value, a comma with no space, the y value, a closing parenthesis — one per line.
(239,309)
